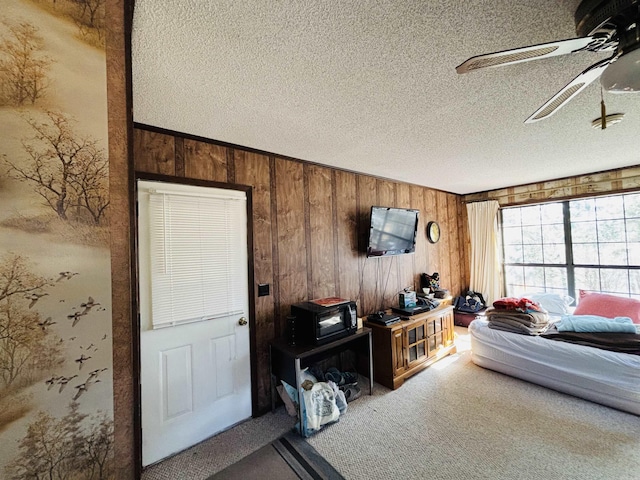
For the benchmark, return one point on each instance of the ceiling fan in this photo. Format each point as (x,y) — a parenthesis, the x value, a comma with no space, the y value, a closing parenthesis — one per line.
(602,25)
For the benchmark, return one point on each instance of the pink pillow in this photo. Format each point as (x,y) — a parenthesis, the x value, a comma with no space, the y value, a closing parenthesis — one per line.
(609,306)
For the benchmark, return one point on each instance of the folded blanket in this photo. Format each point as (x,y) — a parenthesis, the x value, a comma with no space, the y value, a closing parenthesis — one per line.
(516,327)
(595,323)
(529,323)
(530,319)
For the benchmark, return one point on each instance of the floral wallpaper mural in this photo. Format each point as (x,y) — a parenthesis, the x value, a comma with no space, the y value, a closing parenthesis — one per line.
(56,388)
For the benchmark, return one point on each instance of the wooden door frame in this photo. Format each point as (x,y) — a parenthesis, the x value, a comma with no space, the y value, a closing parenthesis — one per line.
(137,400)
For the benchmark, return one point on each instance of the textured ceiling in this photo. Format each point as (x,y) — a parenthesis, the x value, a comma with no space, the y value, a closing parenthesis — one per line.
(370,86)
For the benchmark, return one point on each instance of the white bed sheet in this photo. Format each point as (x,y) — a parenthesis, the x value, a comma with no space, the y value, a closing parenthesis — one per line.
(605,377)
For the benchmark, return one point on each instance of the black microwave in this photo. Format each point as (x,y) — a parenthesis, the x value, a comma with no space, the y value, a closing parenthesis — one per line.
(316,325)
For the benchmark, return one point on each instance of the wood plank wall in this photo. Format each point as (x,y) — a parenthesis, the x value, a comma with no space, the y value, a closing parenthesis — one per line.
(310,227)
(601,183)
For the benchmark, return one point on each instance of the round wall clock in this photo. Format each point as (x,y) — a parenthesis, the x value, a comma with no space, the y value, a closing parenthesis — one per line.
(433,232)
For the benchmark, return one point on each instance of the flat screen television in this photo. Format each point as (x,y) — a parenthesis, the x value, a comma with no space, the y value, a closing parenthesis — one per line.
(392,231)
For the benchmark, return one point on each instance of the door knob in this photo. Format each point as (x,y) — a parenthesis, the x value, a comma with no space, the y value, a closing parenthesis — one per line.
(242,321)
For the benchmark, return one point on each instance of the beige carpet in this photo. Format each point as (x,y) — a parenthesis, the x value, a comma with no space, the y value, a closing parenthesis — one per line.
(456,420)
(227,448)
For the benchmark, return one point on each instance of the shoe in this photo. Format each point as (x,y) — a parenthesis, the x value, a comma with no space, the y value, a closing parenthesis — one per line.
(340,378)
(350,377)
(351,392)
(334,375)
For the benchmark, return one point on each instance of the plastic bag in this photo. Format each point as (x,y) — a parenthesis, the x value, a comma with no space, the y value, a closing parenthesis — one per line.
(318,408)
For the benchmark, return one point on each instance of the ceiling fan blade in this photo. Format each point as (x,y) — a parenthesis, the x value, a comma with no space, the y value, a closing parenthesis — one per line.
(569,91)
(525,54)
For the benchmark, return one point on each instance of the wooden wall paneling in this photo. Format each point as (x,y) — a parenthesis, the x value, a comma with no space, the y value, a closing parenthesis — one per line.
(388,266)
(405,263)
(321,229)
(292,255)
(154,152)
(443,245)
(282,235)
(254,169)
(421,257)
(454,246)
(208,161)
(346,232)
(607,182)
(386,193)
(445,240)
(126,439)
(307,231)
(275,252)
(367,197)
(431,214)
(179,156)
(465,242)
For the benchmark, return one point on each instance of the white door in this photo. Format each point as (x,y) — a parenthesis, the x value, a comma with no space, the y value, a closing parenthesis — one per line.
(195,368)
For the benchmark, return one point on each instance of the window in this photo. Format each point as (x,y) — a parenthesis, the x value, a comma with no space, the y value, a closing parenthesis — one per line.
(587,244)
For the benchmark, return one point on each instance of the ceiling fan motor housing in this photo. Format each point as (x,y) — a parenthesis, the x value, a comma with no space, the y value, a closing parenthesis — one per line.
(594,15)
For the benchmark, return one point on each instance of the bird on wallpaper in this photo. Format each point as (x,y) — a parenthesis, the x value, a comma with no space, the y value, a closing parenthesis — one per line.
(52,381)
(34,297)
(46,323)
(80,361)
(66,275)
(81,389)
(76,317)
(62,381)
(89,304)
(94,374)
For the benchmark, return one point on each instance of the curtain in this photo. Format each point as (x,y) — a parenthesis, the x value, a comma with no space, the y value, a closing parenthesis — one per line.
(485,263)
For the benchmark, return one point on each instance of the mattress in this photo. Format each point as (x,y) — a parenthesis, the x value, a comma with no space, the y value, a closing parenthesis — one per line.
(601,376)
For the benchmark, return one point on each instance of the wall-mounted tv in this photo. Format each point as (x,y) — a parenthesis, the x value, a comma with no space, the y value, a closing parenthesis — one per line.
(392,231)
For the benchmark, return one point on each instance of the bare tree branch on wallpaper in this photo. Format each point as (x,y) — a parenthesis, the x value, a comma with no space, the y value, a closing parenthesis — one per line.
(69,171)
(16,278)
(23,65)
(89,17)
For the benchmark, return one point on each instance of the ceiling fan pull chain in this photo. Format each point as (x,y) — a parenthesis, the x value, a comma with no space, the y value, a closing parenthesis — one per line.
(603,110)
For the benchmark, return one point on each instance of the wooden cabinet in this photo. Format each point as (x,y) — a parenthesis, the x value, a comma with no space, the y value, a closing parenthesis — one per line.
(404,348)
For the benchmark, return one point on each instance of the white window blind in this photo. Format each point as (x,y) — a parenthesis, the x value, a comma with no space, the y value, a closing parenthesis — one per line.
(196,256)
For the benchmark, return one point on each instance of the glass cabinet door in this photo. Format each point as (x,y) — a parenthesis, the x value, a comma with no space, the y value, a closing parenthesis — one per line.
(437,333)
(416,338)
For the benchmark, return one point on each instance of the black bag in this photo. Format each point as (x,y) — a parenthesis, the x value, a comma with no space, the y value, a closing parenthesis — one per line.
(472,302)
